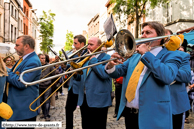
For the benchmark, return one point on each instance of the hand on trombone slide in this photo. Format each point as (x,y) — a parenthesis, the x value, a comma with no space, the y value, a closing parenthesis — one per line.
(91,56)
(143,48)
(119,60)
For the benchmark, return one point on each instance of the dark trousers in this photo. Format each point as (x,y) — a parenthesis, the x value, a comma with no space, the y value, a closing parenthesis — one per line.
(131,118)
(46,106)
(71,105)
(93,118)
(118,89)
(177,121)
(187,112)
(33,119)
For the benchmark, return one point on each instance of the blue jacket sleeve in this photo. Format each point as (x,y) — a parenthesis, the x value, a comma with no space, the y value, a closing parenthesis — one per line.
(99,69)
(120,70)
(184,73)
(164,70)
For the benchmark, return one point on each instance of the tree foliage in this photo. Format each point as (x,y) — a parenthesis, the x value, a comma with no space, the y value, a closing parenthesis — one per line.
(46,30)
(69,41)
(134,10)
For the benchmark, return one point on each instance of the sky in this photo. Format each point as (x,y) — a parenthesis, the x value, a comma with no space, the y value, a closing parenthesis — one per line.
(71,15)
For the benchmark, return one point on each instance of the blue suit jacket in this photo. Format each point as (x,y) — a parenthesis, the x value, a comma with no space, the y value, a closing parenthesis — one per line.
(2,85)
(97,84)
(179,96)
(74,84)
(155,110)
(19,96)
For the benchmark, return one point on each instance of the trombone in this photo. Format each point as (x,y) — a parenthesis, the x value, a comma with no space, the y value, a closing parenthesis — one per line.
(125,45)
(78,65)
(11,56)
(54,82)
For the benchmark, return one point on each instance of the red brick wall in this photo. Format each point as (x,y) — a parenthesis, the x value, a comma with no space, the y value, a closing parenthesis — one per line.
(26,10)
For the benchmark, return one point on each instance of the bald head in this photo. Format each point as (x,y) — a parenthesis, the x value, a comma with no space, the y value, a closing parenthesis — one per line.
(93,43)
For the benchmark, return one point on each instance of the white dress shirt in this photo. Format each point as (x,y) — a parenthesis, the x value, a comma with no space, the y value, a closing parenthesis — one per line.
(135,102)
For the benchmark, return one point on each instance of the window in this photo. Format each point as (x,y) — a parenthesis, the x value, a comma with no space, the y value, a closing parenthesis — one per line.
(12,10)
(15,13)
(15,35)
(19,24)
(11,32)
(24,9)
(27,13)
(24,28)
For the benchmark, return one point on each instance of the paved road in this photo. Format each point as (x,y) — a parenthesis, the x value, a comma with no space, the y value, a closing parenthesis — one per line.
(58,114)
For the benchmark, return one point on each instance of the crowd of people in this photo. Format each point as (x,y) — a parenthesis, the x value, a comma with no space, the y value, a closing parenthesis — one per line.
(152,87)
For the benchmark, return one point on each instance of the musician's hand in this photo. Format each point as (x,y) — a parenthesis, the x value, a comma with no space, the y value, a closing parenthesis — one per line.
(91,56)
(143,48)
(191,86)
(119,60)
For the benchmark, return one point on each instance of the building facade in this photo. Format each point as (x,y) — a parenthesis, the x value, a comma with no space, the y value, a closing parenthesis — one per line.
(93,26)
(11,20)
(177,15)
(1,20)
(18,18)
(26,9)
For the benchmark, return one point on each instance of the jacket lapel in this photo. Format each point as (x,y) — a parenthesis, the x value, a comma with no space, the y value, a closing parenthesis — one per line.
(159,56)
(23,62)
(99,58)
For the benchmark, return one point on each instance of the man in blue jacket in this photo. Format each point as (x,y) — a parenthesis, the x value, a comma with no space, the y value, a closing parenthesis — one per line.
(149,107)
(20,96)
(72,98)
(179,96)
(95,90)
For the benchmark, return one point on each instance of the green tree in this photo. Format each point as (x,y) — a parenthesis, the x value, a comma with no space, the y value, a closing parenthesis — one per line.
(46,31)
(69,41)
(60,53)
(134,10)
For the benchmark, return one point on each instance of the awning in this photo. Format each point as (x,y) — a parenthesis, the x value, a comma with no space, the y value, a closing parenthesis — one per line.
(189,37)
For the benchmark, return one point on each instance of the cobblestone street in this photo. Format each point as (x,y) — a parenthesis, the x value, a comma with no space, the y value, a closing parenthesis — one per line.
(58,114)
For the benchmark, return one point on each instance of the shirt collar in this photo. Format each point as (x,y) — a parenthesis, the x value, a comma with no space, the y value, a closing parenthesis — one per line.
(24,57)
(156,50)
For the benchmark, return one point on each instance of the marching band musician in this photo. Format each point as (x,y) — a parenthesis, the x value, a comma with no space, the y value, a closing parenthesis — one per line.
(145,99)
(5,110)
(95,90)
(72,98)
(18,95)
(179,96)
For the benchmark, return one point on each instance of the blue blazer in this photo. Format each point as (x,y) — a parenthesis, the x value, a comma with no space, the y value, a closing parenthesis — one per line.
(19,96)
(155,110)
(74,84)
(2,85)
(179,97)
(97,84)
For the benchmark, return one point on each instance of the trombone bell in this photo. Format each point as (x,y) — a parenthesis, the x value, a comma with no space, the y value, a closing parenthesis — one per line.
(125,43)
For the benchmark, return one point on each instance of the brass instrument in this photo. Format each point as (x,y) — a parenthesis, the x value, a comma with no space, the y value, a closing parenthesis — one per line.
(11,56)
(125,45)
